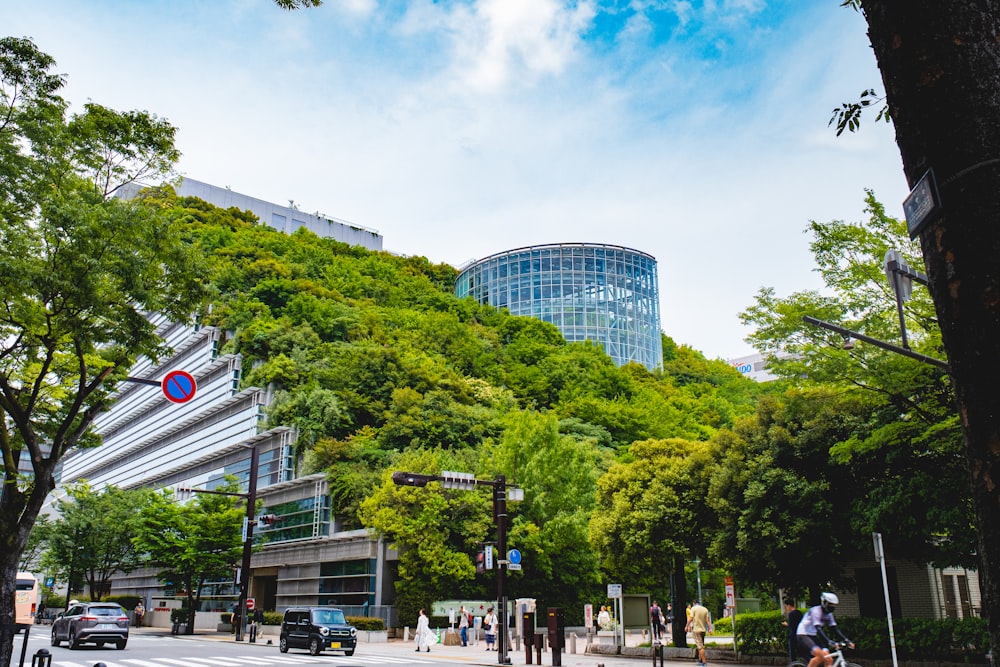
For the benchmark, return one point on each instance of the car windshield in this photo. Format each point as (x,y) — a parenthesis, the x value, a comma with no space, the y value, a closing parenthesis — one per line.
(107,611)
(25,584)
(328,617)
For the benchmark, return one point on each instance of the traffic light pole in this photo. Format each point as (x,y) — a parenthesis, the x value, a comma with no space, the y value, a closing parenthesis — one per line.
(466,481)
(247,544)
(500,516)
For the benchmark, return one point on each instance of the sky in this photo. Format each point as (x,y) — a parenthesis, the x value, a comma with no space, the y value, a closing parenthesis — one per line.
(693,130)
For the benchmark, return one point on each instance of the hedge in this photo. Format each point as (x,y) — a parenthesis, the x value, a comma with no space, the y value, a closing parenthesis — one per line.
(961,640)
(359,622)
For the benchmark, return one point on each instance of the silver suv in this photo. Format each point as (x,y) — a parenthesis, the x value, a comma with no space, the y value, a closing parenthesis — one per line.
(91,623)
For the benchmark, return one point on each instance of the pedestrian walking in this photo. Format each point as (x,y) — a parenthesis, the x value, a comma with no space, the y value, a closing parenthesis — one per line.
(424,637)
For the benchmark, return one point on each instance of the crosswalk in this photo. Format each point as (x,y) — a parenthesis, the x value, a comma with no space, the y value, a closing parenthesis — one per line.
(275,660)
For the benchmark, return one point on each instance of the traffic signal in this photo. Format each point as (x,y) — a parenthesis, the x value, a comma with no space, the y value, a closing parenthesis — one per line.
(267,519)
(480,562)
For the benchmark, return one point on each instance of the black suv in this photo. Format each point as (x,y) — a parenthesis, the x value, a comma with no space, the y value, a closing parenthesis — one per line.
(316,629)
(92,623)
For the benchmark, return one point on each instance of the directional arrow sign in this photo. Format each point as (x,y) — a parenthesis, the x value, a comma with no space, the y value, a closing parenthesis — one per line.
(179,386)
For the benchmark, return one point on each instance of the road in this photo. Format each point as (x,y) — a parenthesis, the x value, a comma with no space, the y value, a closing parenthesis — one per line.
(151,647)
(163,650)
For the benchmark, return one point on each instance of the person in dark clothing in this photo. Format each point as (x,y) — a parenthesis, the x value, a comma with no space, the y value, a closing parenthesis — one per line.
(793,616)
(655,620)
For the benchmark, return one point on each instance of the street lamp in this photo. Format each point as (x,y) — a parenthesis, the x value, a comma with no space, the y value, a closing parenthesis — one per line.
(467,482)
(697,570)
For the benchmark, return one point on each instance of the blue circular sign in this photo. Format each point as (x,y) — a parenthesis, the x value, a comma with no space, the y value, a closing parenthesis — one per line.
(179,386)
(514,556)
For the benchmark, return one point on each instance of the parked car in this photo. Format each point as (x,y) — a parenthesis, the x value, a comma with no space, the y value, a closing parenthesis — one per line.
(317,629)
(91,623)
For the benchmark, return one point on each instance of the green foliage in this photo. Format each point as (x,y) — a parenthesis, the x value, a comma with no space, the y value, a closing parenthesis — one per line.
(191,543)
(93,535)
(891,425)
(80,271)
(959,640)
(366,623)
(761,633)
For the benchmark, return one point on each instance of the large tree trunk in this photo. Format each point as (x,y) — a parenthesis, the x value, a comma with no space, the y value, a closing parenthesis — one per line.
(678,598)
(940,64)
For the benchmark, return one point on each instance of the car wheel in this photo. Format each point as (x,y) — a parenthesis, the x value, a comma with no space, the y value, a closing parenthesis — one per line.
(349,652)
(73,643)
(55,638)
(283,644)
(315,647)
(121,644)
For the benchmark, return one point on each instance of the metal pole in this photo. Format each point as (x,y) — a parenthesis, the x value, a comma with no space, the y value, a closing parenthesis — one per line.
(697,569)
(880,557)
(500,512)
(247,543)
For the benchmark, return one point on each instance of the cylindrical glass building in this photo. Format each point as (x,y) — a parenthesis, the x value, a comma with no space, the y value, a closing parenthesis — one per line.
(603,293)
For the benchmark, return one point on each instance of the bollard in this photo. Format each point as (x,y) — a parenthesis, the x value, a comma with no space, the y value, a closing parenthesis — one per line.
(572,643)
(538,650)
(41,659)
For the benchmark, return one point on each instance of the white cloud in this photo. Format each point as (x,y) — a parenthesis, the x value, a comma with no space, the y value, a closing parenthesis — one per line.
(499,43)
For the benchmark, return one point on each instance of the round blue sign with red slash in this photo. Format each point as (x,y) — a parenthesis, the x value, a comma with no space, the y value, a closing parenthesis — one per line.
(179,386)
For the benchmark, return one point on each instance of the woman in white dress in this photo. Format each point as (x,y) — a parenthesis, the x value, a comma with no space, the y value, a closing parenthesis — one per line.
(424,637)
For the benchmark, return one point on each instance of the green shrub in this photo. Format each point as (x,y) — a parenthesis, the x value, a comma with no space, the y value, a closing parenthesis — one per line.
(723,626)
(962,640)
(179,615)
(760,633)
(272,618)
(366,622)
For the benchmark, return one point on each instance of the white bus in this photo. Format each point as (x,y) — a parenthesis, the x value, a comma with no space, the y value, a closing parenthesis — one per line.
(25,599)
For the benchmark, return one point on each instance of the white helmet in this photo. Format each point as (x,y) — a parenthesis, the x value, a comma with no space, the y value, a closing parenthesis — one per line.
(828,601)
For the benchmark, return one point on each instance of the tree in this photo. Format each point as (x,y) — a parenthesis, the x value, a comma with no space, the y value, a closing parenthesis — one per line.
(898,437)
(652,515)
(78,271)
(558,474)
(297,4)
(192,543)
(436,530)
(93,535)
(940,65)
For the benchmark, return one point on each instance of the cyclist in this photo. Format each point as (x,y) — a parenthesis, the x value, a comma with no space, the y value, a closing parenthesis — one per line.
(811,638)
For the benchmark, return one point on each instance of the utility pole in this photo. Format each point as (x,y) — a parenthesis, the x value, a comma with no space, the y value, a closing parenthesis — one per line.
(239,620)
(248,542)
(466,482)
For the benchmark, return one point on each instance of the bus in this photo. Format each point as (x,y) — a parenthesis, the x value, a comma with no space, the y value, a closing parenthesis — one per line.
(25,599)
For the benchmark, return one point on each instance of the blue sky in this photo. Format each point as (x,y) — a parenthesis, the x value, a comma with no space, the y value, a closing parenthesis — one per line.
(693,130)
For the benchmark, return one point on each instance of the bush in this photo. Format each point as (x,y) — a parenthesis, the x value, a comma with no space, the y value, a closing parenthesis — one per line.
(366,622)
(760,633)
(962,640)
(179,615)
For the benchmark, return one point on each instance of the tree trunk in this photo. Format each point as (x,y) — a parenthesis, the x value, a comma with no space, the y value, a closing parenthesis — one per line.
(8,578)
(678,598)
(940,63)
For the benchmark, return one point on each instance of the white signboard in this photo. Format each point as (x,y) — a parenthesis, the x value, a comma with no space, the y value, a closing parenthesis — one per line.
(614,590)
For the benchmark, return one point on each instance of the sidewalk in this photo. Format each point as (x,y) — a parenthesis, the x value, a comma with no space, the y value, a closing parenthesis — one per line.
(474,654)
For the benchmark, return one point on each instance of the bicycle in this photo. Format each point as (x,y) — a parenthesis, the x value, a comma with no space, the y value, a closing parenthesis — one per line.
(838,658)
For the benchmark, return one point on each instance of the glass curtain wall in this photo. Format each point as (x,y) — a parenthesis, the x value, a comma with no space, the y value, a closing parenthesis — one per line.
(602,293)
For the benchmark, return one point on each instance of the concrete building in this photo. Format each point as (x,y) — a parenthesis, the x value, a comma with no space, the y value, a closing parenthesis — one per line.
(150,441)
(603,293)
(284,218)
